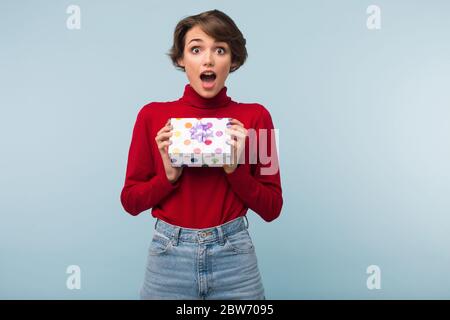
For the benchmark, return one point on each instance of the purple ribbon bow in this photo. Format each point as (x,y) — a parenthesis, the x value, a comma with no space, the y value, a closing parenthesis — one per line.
(201,131)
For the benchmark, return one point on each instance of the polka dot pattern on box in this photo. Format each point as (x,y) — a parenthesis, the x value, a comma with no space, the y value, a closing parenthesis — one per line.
(199,142)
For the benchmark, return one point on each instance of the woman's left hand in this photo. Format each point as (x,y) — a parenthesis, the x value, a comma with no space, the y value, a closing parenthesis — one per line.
(237,141)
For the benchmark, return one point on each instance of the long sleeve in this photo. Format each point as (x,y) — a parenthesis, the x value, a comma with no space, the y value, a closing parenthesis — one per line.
(260,188)
(143,188)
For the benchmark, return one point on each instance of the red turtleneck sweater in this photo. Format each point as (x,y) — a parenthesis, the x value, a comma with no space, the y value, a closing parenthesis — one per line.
(201,197)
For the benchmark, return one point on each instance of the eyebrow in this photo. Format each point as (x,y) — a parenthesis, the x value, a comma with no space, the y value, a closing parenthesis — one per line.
(200,40)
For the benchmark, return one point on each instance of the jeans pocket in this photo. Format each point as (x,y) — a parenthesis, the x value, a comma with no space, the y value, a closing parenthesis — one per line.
(160,244)
(240,242)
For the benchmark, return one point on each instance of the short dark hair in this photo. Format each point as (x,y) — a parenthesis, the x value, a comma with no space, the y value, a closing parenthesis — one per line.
(217,25)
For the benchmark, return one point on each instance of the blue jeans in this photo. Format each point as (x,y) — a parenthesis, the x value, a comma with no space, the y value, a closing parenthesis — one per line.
(213,263)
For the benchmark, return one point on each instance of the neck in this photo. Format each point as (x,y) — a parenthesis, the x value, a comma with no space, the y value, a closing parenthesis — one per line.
(191,97)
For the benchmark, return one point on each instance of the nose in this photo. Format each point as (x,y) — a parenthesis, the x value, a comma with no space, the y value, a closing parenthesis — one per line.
(209,58)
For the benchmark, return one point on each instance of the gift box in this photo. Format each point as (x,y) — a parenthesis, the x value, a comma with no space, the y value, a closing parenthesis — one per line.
(199,142)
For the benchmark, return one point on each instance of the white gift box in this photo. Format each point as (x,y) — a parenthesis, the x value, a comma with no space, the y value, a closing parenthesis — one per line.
(199,142)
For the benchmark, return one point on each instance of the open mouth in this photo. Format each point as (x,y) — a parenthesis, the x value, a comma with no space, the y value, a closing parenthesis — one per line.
(208,76)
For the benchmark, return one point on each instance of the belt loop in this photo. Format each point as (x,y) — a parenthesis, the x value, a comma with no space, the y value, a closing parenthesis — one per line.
(156,222)
(176,236)
(221,236)
(245,216)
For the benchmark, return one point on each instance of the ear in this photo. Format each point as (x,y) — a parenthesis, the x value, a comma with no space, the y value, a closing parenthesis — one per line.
(180,62)
(233,65)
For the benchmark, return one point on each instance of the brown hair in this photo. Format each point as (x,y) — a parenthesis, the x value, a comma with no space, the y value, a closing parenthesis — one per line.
(217,25)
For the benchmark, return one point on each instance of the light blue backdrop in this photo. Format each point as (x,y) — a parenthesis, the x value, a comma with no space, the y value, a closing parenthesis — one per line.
(364,123)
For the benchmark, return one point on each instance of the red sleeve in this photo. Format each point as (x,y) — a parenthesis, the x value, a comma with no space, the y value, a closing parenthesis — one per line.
(260,187)
(143,188)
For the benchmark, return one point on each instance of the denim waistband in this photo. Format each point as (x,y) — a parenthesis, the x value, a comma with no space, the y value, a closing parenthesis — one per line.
(212,234)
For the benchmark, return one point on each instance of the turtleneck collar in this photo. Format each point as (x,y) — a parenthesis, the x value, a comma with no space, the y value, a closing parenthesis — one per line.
(191,97)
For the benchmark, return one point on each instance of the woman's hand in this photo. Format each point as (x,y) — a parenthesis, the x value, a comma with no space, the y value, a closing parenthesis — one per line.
(162,140)
(237,141)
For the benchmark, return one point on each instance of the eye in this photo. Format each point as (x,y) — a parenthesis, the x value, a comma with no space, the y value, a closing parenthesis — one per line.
(221,50)
(195,50)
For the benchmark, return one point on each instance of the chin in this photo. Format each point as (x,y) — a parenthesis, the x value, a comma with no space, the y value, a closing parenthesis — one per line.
(207,93)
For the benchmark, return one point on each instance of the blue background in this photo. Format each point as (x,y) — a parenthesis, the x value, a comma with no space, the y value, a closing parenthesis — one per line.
(363,118)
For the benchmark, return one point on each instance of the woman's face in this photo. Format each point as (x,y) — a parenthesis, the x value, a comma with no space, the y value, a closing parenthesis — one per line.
(202,53)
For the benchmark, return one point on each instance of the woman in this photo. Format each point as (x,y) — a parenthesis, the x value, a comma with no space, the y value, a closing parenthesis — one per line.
(201,247)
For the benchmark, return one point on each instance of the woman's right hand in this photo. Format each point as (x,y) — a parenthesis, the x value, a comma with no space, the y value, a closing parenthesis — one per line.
(162,140)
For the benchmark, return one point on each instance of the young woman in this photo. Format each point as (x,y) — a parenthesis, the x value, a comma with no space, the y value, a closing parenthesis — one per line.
(201,247)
